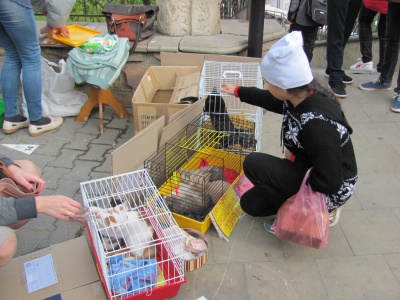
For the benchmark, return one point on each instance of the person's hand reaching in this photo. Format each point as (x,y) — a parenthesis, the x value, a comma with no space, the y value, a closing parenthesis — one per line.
(228,88)
(52,32)
(58,206)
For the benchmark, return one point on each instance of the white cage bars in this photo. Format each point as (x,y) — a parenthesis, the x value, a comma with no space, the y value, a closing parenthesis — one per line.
(137,243)
(214,74)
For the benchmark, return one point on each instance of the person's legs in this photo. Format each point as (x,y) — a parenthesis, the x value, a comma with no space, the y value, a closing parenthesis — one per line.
(29,166)
(19,38)
(274,179)
(392,42)
(397,88)
(382,40)
(351,17)
(337,12)
(8,245)
(365,19)
(309,34)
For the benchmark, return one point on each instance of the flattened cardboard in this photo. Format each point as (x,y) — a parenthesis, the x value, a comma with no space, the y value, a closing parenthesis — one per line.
(76,273)
(132,154)
(178,121)
(186,85)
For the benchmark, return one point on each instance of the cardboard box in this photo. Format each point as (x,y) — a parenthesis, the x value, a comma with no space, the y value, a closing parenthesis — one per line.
(72,265)
(160,90)
(132,155)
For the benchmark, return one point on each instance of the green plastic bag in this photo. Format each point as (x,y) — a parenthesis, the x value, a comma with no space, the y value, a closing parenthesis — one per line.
(1,112)
(98,44)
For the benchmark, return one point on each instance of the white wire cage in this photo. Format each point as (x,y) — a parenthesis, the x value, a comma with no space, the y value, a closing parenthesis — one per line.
(242,121)
(137,243)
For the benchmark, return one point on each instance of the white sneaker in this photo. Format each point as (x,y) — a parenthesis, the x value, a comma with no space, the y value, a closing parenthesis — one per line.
(361,67)
(334,216)
(35,130)
(10,127)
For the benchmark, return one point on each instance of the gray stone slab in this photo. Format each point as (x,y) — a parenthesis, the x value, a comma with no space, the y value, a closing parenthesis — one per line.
(393,261)
(381,133)
(369,159)
(370,189)
(248,242)
(272,29)
(65,159)
(162,43)
(52,175)
(108,139)
(69,188)
(375,231)
(216,281)
(291,280)
(81,171)
(362,277)
(96,152)
(216,44)
(81,141)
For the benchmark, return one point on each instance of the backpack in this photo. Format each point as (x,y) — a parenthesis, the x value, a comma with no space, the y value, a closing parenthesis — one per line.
(318,11)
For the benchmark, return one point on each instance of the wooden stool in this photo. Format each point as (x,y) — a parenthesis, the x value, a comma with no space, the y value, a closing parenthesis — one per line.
(99,97)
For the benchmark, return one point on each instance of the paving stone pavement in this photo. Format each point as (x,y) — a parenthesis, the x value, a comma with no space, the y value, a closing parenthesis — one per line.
(361,261)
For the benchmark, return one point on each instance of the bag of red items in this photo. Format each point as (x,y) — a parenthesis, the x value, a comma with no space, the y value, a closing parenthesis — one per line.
(303,218)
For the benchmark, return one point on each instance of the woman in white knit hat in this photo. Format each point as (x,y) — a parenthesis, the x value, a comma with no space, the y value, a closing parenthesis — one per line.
(314,133)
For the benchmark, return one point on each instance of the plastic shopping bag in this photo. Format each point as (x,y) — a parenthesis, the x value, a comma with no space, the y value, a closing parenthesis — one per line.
(59,99)
(303,218)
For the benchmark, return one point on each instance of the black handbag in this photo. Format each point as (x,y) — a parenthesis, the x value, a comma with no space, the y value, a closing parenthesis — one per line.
(133,21)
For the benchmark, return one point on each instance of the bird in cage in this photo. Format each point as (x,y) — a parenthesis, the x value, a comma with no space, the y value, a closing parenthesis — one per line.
(119,223)
(215,107)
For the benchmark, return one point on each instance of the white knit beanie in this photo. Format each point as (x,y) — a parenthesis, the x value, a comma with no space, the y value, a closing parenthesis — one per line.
(285,64)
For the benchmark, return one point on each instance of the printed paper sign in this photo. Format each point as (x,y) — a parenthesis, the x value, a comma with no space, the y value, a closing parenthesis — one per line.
(27,149)
(227,211)
(40,273)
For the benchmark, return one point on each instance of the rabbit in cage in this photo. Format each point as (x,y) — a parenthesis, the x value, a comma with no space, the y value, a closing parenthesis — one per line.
(198,190)
(207,173)
(215,107)
(120,223)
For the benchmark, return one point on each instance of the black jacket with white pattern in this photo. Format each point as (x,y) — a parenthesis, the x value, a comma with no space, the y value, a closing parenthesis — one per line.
(317,133)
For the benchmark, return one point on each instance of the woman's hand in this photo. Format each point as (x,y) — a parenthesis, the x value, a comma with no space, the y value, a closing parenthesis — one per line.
(63,31)
(58,206)
(27,180)
(228,88)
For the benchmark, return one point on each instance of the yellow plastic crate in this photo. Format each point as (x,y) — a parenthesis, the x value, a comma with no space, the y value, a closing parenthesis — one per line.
(230,160)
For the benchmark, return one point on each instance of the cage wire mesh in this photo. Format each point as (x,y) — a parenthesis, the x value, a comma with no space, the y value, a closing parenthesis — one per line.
(225,113)
(137,242)
(190,173)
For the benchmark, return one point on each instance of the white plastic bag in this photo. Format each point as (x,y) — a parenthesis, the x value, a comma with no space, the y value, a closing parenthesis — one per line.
(59,99)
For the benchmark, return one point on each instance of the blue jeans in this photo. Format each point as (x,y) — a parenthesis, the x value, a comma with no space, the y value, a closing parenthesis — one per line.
(19,39)
(392,45)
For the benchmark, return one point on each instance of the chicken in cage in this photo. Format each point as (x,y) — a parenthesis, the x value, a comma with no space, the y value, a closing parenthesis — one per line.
(137,243)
